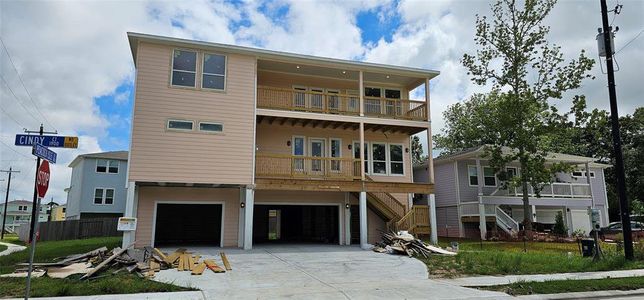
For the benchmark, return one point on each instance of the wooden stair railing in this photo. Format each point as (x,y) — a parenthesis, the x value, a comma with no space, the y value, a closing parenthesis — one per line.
(416,221)
(397,209)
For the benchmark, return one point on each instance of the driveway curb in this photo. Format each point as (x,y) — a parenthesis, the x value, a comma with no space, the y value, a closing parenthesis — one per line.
(587,295)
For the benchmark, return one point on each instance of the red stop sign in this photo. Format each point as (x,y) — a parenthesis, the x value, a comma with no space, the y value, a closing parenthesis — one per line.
(42,178)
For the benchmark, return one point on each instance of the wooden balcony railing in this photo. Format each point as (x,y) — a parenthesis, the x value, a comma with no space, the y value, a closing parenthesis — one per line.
(337,103)
(309,167)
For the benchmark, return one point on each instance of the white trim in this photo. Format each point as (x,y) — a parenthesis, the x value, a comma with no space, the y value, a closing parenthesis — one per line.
(469,182)
(203,61)
(366,158)
(103,195)
(339,205)
(494,175)
(402,149)
(303,145)
(194,72)
(254,150)
(386,161)
(331,139)
(167,125)
(157,202)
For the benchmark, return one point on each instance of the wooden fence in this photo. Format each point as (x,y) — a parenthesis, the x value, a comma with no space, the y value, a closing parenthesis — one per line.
(76,229)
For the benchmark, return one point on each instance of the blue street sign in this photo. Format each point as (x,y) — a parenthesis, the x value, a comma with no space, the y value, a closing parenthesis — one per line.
(44,153)
(47,140)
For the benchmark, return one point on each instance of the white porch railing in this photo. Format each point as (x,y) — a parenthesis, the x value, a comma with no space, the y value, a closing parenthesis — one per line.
(552,190)
(472,209)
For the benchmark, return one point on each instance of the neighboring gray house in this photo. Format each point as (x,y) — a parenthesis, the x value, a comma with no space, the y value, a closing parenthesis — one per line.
(19,212)
(97,187)
(464,193)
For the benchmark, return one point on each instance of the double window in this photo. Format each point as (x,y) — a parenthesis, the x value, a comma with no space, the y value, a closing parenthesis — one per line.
(184,70)
(22,208)
(489,177)
(383,159)
(188,125)
(582,174)
(103,196)
(107,166)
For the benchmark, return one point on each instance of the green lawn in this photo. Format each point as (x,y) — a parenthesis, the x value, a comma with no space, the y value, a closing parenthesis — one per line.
(12,238)
(505,258)
(569,286)
(104,283)
(2,248)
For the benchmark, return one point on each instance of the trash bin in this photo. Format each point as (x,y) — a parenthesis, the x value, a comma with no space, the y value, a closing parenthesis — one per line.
(587,247)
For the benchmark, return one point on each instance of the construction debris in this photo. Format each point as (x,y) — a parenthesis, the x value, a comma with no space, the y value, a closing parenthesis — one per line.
(145,262)
(405,243)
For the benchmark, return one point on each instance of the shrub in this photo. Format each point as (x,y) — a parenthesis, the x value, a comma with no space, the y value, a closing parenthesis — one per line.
(559,228)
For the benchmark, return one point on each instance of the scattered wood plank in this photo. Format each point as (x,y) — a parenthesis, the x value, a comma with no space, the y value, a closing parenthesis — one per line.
(161,255)
(213,266)
(107,261)
(224,259)
(198,270)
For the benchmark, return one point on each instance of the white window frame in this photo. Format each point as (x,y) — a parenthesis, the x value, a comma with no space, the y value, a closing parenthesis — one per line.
(469,182)
(516,170)
(331,154)
(203,61)
(210,123)
(366,158)
(103,195)
(195,71)
(389,161)
(583,174)
(118,166)
(167,125)
(496,182)
(373,160)
(302,163)
(107,164)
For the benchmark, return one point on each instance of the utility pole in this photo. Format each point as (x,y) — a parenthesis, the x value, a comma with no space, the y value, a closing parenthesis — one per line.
(6,199)
(35,199)
(624,209)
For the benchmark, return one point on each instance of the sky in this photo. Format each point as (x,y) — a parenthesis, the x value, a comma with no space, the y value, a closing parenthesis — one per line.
(67,64)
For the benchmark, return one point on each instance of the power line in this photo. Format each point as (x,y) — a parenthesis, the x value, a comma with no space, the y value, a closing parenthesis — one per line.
(14,150)
(23,84)
(10,117)
(629,42)
(18,99)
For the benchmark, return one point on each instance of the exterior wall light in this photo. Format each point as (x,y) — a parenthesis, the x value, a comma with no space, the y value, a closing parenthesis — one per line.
(288,143)
(349,146)
(242,205)
(406,150)
(347,206)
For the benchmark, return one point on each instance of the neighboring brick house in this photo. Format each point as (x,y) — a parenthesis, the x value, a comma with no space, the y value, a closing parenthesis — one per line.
(97,187)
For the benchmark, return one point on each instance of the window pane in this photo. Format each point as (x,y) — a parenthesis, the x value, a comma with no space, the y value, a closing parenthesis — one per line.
(215,82)
(488,171)
(356,150)
(395,153)
(490,181)
(392,94)
(298,148)
(372,92)
(378,152)
(101,166)
(471,171)
(335,148)
(98,196)
(397,168)
(185,125)
(214,127)
(184,60)
(114,166)
(109,196)
(380,167)
(183,78)
(214,64)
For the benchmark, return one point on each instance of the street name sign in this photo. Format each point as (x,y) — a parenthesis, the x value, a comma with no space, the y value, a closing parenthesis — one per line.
(44,153)
(47,140)
(42,179)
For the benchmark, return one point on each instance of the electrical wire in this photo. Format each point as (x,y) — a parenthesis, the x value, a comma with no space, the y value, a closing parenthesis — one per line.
(18,99)
(25,87)
(629,42)
(14,150)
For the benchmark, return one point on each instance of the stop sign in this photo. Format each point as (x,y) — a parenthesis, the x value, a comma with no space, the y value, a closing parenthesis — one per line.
(42,178)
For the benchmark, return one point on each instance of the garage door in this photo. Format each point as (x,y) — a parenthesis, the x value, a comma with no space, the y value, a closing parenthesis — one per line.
(296,224)
(580,220)
(188,224)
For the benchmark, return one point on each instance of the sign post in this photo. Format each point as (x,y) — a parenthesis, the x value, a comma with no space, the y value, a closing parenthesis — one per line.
(42,184)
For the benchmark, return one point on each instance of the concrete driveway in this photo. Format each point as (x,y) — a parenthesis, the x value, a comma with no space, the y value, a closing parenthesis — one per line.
(318,272)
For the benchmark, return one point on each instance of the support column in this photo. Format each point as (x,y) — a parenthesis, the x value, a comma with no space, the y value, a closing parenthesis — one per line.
(361,88)
(362,150)
(242,218)
(364,244)
(433,237)
(482,219)
(248,219)
(568,217)
(430,146)
(590,188)
(130,211)
(534,213)
(347,219)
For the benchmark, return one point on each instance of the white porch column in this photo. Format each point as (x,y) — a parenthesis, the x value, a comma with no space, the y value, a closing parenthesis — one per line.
(362,150)
(430,146)
(361,88)
(568,217)
(590,188)
(482,219)
(364,244)
(242,218)
(433,236)
(130,211)
(248,219)
(534,213)
(347,219)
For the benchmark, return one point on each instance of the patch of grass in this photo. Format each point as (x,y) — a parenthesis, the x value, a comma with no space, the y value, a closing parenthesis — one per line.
(569,286)
(3,247)
(72,286)
(49,251)
(12,238)
(508,258)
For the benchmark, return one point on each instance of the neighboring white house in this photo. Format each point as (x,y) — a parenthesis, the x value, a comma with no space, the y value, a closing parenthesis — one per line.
(19,212)
(97,187)
(466,188)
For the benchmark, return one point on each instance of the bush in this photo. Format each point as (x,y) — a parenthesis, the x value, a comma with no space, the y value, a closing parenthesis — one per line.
(560,228)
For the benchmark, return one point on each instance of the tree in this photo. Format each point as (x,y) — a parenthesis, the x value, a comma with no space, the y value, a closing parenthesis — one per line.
(560,228)
(416,151)
(513,117)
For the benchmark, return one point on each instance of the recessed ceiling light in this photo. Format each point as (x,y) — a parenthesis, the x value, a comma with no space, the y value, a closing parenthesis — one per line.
(387,76)
(297,67)
(344,72)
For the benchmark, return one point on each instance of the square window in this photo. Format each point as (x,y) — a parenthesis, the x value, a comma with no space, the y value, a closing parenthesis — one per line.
(214,64)
(113,166)
(215,82)
(98,196)
(101,166)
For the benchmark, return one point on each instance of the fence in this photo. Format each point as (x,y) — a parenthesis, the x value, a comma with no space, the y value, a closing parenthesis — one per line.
(73,229)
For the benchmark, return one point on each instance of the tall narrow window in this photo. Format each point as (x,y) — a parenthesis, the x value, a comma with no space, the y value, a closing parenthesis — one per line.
(98,196)
(113,166)
(299,96)
(336,152)
(379,158)
(396,159)
(392,105)
(184,68)
(214,72)
(372,103)
(109,196)
(356,155)
(472,173)
(489,178)
(298,150)
(317,98)
(333,100)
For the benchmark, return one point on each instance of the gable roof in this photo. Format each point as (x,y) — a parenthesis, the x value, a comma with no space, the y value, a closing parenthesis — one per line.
(478,152)
(116,155)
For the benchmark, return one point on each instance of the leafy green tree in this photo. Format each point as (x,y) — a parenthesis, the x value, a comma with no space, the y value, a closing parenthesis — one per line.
(531,73)
(416,151)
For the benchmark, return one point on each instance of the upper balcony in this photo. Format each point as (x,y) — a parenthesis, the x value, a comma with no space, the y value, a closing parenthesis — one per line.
(340,91)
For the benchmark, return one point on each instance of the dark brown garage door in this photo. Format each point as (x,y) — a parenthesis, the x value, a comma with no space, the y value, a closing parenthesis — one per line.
(188,224)
(296,224)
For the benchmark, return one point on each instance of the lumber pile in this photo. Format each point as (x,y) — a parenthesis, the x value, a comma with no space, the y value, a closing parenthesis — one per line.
(144,262)
(406,244)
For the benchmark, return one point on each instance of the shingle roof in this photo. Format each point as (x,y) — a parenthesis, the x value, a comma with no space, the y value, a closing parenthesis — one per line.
(118,155)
